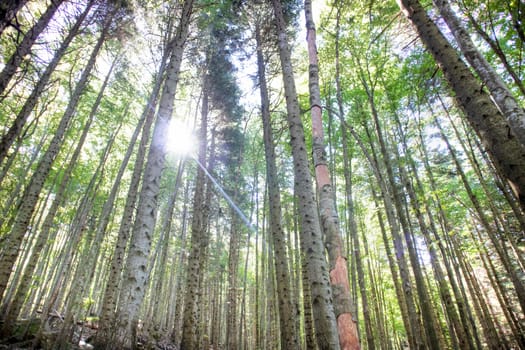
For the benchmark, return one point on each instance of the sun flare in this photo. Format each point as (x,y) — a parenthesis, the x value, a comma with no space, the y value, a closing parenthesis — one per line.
(180,140)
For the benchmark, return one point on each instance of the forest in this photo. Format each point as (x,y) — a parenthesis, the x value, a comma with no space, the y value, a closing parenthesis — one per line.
(262,174)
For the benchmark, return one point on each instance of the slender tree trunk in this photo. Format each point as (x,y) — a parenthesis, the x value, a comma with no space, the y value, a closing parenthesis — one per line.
(347,325)
(428,316)
(499,91)
(32,192)
(450,261)
(166,227)
(87,256)
(24,48)
(496,47)
(178,298)
(16,197)
(501,250)
(198,228)
(507,153)
(232,326)
(106,333)
(405,295)
(347,161)
(286,308)
(135,273)
(21,118)
(42,236)
(311,236)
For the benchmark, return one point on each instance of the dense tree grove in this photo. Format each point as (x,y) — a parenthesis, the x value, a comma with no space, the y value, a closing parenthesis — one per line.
(270,174)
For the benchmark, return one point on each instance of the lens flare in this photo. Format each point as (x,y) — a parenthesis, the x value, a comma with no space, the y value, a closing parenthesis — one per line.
(180,139)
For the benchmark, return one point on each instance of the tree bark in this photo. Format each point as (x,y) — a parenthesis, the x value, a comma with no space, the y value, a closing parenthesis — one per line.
(135,273)
(43,235)
(8,11)
(32,192)
(507,153)
(24,48)
(21,118)
(311,236)
(286,307)
(499,91)
(347,325)
(198,228)
(105,336)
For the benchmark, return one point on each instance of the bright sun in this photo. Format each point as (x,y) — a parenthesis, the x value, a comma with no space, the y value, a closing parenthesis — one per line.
(180,139)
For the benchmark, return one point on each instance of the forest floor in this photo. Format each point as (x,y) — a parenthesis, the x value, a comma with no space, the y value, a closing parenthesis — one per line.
(26,337)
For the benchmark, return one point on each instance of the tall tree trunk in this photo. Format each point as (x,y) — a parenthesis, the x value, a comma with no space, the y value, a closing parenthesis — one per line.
(286,308)
(106,334)
(232,321)
(87,256)
(507,153)
(21,118)
(198,228)
(24,48)
(428,316)
(499,91)
(164,240)
(135,273)
(501,250)
(347,161)
(32,192)
(347,325)
(311,236)
(404,290)
(43,235)
(450,260)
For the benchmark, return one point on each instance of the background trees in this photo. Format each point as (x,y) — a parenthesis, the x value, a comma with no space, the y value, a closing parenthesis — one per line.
(105,232)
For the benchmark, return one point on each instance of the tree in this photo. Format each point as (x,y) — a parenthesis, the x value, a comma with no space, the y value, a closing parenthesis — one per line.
(498,138)
(499,91)
(32,192)
(16,128)
(24,47)
(135,272)
(286,306)
(348,336)
(317,271)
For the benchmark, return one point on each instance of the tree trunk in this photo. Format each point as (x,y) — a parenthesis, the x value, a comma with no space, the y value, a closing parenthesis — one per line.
(24,48)
(311,236)
(106,333)
(232,321)
(286,308)
(198,229)
(43,235)
(32,192)
(165,231)
(21,118)
(404,290)
(8,11)
(135,273)
(507,153)
(499,91)
(347,325)
(496,47)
